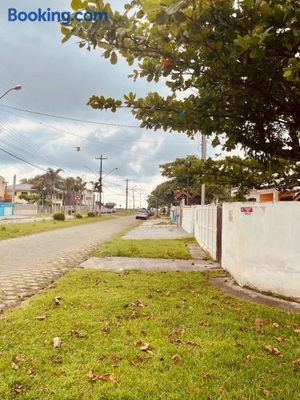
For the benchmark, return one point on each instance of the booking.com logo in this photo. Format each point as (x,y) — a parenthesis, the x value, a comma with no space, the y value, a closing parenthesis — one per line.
(48,15)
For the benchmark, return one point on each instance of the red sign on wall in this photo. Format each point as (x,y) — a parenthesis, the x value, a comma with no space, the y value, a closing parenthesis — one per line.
(247,210)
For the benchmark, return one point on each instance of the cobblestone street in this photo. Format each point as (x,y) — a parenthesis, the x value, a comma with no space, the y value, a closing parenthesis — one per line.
(30,263)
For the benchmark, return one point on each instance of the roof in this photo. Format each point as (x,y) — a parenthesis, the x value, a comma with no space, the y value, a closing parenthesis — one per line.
(24,187)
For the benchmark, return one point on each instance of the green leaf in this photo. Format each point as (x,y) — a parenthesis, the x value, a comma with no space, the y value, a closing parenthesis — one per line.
(65,31)
(288,73)
(66,38)
(161,18)
(130,60)
(114,58)
(265,9)
(174,8)
(76,5)
(180,17)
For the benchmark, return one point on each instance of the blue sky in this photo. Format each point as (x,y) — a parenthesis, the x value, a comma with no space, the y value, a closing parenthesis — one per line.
(59,79)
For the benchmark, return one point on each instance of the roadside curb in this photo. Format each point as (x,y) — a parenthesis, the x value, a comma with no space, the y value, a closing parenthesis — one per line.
(229,287)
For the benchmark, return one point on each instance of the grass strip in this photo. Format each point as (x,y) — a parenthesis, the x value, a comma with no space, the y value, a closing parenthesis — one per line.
(8,231)
(146,248)
(145,336)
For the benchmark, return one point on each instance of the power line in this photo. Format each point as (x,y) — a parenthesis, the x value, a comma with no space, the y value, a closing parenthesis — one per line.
(81,121)
(21,159)
(97,142)
(16,142)
(70,118)
(30,149)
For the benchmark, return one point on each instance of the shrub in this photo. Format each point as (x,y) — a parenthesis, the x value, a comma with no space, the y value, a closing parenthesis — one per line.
(78,215)
(91,214)
(59,216)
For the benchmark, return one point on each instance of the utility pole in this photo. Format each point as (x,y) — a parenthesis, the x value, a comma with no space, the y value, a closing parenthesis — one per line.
(101,159)
(14,194)
(133,199)
(127,190)
(204,158)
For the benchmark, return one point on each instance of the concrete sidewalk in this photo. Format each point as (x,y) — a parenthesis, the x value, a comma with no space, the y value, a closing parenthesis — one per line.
(119,264)
(154,229)
(157,229)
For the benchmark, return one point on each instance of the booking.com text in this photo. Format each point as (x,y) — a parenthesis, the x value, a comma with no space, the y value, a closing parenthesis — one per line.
(48,15)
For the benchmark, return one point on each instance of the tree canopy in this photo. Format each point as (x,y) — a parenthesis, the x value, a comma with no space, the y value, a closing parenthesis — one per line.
(163,195)
(220,176)
(237,63)
(47,184)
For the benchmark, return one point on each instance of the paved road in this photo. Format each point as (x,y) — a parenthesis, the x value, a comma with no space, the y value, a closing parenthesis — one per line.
(30,263)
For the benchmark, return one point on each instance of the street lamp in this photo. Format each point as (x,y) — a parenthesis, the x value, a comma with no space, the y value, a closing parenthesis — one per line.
(18,87)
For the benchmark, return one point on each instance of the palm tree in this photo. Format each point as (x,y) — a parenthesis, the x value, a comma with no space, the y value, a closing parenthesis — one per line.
(54,180)
(73,187)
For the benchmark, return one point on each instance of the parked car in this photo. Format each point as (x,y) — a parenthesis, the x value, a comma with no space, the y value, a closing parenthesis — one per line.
(142,213)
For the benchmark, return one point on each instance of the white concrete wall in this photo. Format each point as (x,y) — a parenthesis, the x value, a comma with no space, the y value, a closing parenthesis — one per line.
(201,221)
(262,250)
(188,219)
(26,209)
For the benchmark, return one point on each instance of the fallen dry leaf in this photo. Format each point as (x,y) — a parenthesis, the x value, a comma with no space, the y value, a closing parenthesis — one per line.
(280,339)
(106,329)
(140,361)
(146,348)
(266,392)
(191,343)
(182,342)
(297,331)
(138,303)
(275,325)
(108,378)
(272,350)
(249,358)
(79,334)
(296,362)
(56,342)
(14,365)
(20,357)
(176,358)
(260,322)
(92,377)
(221,389)
(57,300)
(19,388)
(115,358)
(30,371)
(40,317)
(204,375)
(243,329)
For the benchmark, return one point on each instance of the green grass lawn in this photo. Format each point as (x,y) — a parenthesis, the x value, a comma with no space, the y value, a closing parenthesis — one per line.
(147,336)
(8,231)
(166,248)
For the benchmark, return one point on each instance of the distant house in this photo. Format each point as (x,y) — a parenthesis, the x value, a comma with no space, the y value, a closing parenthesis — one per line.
(271,194)
(88,198)
(26,189)
(20,189)
(3,185)
(58,198)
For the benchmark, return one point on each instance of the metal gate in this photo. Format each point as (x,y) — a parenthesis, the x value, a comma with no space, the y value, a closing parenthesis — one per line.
(219,233)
